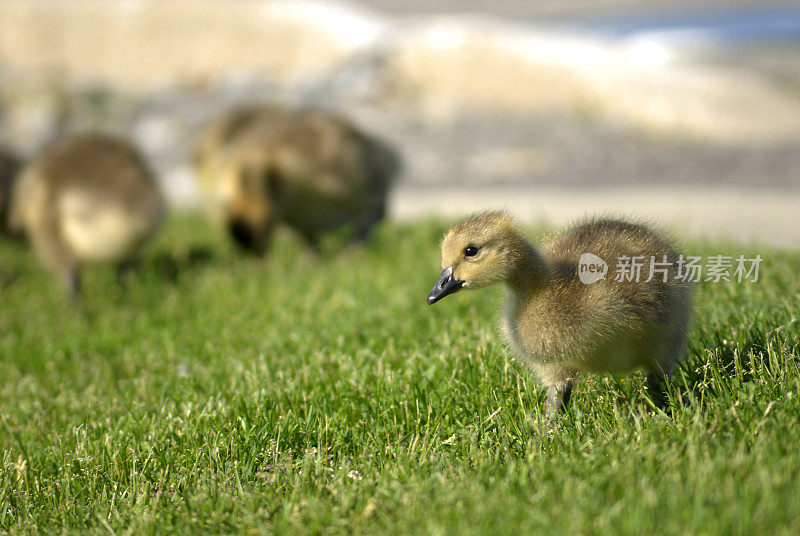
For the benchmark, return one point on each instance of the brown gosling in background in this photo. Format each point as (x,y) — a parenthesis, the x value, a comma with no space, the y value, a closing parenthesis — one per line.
(9,166)
(264,165)
(87,198)
(559,326)
(214,141)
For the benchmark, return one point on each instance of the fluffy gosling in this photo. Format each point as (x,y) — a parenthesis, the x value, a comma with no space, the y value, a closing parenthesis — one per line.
(87,198)
(264,165)
(559,326)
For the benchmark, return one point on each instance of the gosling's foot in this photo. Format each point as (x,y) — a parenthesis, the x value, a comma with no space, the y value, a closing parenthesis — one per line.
(557,399)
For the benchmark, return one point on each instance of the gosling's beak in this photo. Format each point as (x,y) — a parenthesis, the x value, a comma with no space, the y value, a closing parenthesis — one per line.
(446,284)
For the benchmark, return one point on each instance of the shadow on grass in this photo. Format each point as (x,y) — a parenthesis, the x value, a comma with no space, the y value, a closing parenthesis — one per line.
(168,266)
(719,365)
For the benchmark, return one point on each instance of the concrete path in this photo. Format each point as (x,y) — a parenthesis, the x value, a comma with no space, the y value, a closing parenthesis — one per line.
(743,216)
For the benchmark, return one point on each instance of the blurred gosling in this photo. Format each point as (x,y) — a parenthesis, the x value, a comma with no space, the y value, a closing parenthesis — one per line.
(219,134)
(559,326)
(9,167)
(315,172)
(87,198)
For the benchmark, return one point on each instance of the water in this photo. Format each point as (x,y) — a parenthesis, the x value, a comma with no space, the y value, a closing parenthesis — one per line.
(728,26)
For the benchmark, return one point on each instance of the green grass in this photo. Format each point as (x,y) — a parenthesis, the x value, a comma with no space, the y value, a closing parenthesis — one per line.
(302,395)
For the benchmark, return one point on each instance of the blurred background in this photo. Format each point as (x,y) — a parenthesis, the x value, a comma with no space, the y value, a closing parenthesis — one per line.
(683,111)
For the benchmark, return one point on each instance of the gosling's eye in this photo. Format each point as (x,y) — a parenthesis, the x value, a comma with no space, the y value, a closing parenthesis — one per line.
(470,251)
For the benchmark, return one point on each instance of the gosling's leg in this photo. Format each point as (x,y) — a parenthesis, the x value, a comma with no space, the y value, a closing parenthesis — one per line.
(124,270)
(661,370)
(361,235)
(312,242)
(72,281)
(365,227)
(657,386)
(557,399)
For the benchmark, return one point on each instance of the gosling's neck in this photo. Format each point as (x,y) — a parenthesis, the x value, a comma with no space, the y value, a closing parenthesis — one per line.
(529,272)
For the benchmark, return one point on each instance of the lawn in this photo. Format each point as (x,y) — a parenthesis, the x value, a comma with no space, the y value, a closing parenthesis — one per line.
(303,394)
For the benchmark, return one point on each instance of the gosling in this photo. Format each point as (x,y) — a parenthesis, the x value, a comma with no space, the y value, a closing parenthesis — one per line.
(315,172)
(218,136)
(9,166)
(87,198)
(558,325)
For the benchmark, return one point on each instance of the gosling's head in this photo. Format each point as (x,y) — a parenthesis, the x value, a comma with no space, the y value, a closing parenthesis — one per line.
(479,251)
(249,196)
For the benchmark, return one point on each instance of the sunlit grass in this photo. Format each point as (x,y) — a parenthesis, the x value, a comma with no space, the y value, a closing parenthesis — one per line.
(215,393)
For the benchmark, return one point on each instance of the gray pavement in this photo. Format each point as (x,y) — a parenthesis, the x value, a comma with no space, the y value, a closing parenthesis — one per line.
(564,10)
